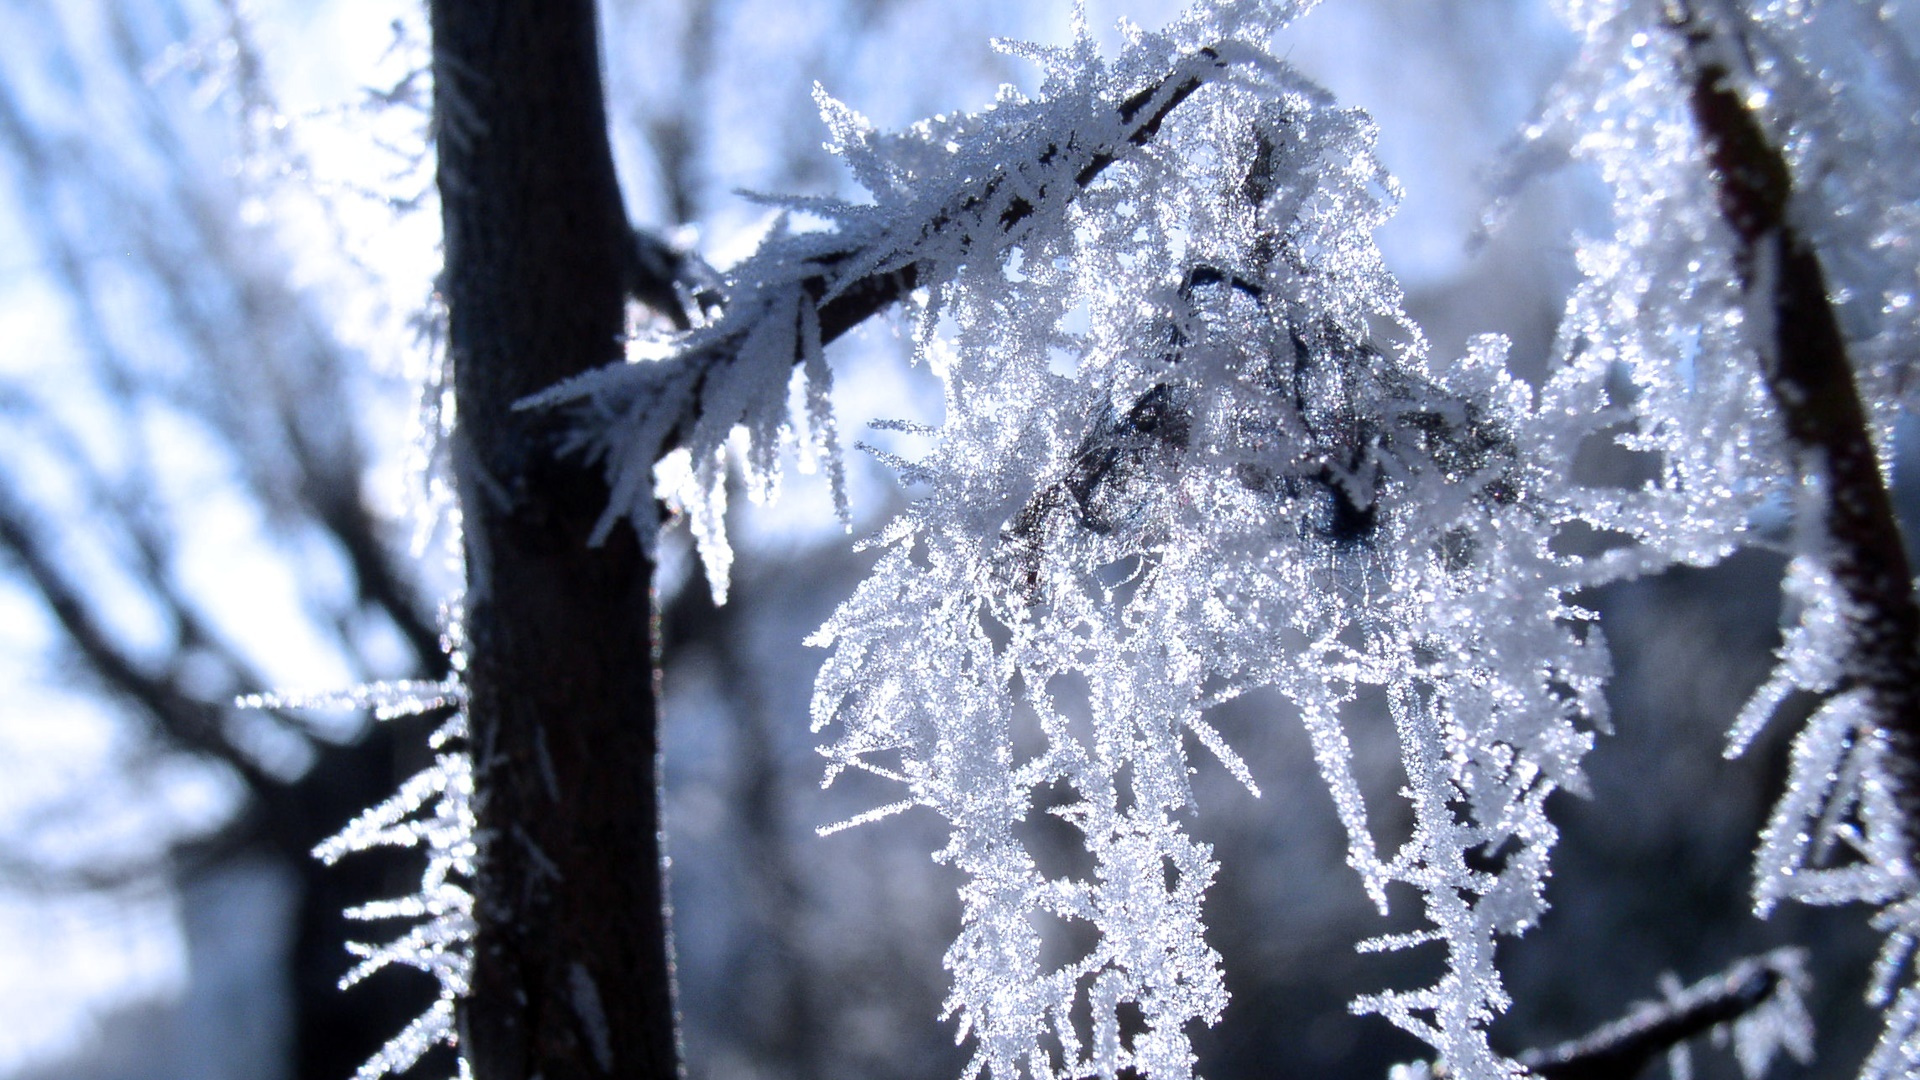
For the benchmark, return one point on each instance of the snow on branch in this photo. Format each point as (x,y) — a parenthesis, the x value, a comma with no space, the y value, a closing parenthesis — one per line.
(1194,447)
(945,195)
(1848,827)
(1759,1000)
(1805,363)
(433,811)
(1756,293)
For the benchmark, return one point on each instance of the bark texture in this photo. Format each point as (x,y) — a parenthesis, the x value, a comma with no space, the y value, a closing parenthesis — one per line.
(571,973)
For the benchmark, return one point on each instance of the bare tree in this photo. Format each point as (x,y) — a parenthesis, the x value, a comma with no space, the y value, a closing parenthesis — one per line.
(183,316)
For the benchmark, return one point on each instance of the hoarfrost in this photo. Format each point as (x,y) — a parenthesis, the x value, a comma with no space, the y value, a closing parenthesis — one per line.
(1687,310)
(1193,447)
(1242,484)
(432,810)
(935,211)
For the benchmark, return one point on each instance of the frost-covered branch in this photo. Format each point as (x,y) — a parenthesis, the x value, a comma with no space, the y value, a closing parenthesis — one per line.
(972,192)
(1763,216)
(1810,377)
(1758,998)
(845,304)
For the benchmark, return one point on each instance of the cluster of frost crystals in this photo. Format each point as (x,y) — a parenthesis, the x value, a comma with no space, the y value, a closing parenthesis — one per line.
(664,422)
(433,811)
(1179,463)
(948,193)
(1762,1031)
(1659,304)
(1837,836)
(1780,1025)
(1661,301)
(1836,85)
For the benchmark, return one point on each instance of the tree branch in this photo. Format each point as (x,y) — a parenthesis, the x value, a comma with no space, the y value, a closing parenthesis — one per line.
(1810,377)
(842,305)
(856,303)
(1622,1049)
(192,723)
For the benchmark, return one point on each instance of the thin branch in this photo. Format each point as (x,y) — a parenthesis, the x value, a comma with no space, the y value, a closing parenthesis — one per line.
(873,294)
(178,860)
(676,284)
(851,304)
(1810,377)
(193,723)
(1622,1049)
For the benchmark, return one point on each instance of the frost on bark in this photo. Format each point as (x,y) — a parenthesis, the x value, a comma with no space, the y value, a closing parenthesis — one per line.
(569,975)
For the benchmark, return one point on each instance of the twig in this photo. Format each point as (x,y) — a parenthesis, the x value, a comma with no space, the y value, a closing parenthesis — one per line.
(1621,1049)
(1808,373)
(855,303)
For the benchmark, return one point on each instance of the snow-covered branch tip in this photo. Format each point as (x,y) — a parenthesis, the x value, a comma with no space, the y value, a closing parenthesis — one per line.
(972,185)
(432,811)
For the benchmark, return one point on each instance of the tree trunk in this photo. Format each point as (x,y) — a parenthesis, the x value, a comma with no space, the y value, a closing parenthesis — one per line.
(570,973)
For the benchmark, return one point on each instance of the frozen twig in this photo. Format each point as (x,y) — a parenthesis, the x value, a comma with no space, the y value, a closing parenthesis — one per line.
(842,305)
(1804,361)
(1623,1048)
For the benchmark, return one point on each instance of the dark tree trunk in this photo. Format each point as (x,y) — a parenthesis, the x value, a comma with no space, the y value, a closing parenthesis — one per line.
(570,971)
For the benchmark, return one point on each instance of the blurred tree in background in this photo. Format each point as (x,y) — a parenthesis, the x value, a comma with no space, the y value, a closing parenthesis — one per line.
(200,497)
(185,512)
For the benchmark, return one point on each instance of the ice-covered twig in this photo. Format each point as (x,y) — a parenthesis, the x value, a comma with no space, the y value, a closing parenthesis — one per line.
(1805,364)
(801,292)
(1140,116)
(843,305)
(1740,995)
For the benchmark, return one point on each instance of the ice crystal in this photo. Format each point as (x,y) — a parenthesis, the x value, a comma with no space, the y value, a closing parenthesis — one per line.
(1780,1024)
(433,810)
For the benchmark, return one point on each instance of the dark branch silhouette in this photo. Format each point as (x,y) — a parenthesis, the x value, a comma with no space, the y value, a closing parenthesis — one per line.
(1810,377)
(1622,1049)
